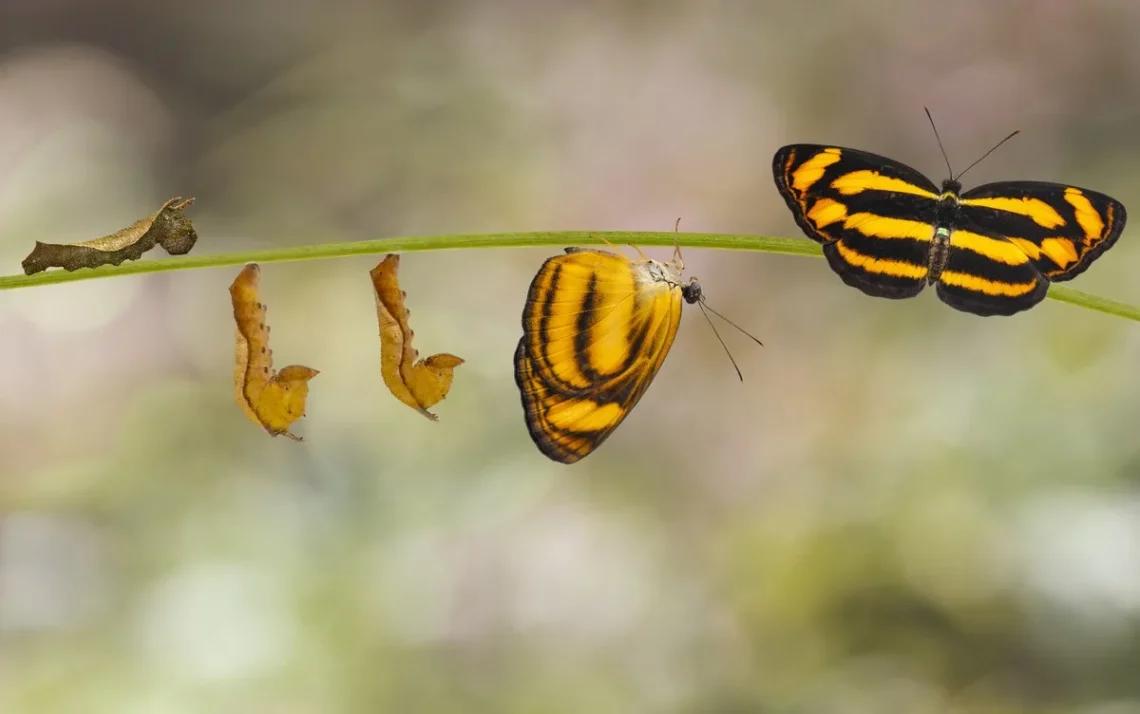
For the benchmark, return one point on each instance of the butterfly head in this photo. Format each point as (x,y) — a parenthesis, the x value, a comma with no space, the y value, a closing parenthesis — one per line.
(692,292)
(953,186)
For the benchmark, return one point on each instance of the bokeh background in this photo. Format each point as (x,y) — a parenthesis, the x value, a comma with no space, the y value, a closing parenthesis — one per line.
(901,509)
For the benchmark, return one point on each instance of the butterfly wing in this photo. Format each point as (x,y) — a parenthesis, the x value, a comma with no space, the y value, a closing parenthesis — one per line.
(986,274)
(596,329)
(873,215)
(1061,229)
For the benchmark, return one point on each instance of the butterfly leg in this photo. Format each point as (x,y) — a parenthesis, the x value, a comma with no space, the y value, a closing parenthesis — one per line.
(677,259)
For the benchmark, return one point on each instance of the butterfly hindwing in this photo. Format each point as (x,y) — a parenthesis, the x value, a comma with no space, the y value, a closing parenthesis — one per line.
(873,215)
(986,274)
(596,329)
(1061,229)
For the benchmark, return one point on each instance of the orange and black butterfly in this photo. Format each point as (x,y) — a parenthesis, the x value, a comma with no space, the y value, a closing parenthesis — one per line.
(889,231)
(597,326)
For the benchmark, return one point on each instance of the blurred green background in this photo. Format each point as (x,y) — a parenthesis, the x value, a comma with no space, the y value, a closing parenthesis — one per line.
(902,508)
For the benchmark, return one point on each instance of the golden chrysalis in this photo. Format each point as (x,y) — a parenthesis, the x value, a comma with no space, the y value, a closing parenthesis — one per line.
(417,384)
(272,400)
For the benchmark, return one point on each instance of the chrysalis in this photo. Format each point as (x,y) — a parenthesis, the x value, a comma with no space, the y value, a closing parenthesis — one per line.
(417,384)
(272,400)
(168,227)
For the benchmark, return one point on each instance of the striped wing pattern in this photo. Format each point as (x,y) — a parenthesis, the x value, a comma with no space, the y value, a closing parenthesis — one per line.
(888,230)
(596,329)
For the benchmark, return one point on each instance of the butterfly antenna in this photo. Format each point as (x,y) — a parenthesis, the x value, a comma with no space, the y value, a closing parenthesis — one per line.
(701,304)
(743,331)
(1012,134)
(940,147)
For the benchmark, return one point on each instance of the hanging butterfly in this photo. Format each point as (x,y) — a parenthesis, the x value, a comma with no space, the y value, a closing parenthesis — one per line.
(597,327)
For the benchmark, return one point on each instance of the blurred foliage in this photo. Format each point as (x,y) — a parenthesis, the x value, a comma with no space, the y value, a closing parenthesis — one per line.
(902,508)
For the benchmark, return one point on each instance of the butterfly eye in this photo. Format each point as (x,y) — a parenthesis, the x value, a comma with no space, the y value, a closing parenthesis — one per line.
(692,291)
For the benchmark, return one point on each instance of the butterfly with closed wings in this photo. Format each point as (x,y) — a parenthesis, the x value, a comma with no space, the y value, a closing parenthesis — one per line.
(597,327)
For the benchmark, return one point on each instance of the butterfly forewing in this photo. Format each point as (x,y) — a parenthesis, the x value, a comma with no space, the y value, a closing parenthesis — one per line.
(596,329)
(874,216)
(1061,229)
(578,317)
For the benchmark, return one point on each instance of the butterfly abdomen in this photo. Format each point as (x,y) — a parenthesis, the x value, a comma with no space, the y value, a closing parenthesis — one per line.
(947,218)
(939,254)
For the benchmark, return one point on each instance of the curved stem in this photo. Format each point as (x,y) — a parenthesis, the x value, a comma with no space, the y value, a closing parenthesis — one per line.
(762,244)
(418,243)
(1094,302)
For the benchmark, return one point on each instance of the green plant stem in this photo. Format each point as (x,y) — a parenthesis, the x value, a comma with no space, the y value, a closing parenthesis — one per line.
(784,246)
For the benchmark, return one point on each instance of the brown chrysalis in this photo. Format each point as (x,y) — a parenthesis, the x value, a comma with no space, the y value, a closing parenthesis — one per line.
(168,227)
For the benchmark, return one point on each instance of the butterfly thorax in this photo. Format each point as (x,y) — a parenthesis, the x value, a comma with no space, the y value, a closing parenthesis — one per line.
(661,275)
(946,218)
(668,276)
(949,204)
